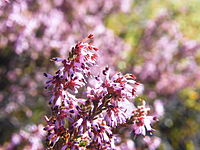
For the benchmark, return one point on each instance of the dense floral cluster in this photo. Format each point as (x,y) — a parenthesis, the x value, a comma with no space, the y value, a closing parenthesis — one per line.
(88,123)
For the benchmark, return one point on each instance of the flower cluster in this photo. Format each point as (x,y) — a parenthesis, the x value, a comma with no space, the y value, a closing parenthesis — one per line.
(88,123)
(142,120)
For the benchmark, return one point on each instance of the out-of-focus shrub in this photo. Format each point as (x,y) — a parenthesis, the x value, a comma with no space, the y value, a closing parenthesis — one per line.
(165,56)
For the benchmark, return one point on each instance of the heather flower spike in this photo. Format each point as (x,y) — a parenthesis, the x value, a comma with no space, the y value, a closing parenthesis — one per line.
(88,123)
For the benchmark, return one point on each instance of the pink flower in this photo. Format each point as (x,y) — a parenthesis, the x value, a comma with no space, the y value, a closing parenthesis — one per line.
(142,125)
(114,116)
(142,122)
(90,121)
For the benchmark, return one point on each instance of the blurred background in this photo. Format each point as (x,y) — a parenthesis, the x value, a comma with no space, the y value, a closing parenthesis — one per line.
(157,40)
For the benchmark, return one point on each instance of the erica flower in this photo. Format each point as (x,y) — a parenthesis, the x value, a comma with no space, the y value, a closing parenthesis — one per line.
(88,123)
(142,122)
(142,125)
(122,87)
(115,116)
(101,134)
